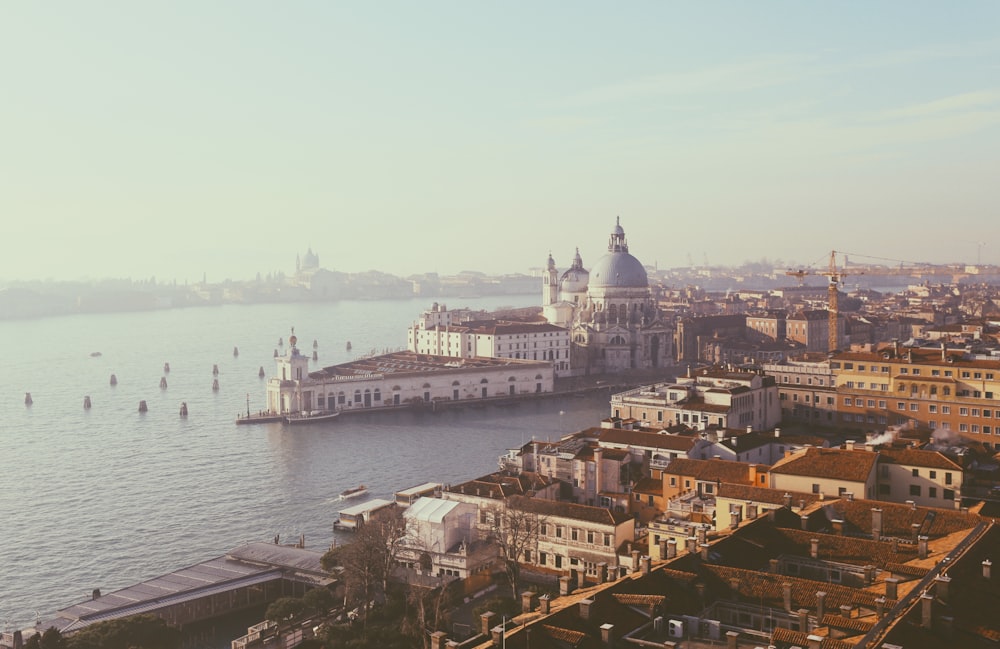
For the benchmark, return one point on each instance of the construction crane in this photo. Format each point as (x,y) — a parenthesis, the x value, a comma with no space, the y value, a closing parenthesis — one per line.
(836,276)
(833,293)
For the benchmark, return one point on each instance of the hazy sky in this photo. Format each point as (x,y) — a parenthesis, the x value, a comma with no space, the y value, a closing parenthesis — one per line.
(171,139)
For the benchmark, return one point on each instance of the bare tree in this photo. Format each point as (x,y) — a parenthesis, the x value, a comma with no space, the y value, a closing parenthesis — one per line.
(367,562)
(515,530)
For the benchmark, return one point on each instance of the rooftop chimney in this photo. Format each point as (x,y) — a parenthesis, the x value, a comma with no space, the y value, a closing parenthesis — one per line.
(849,445)
(786,592)
(671,548)
(926,610)
(777,432)
(986,568)
(879,607)
(544,602)
(608,635)
(922,547)
(876,523)
(814,548)
(527,601)
(845,610)
(891,588)
(941,587)
(437,639)
(486,622)
(647,564)
(584,608)
(820,606)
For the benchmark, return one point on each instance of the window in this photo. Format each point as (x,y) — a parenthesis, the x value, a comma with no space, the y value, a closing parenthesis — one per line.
(948,494)
(590,534)
(871,403)
(963,411)
(559,531)
(914,490)
(914,407)
(881,404)
(847,401)
(815,488)
(945,410)
(916,473)
(932,492)
(932,408)
(900,405)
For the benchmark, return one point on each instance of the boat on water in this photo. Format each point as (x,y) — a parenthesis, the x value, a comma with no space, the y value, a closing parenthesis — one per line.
(312,417)
(352,492)
(258,418)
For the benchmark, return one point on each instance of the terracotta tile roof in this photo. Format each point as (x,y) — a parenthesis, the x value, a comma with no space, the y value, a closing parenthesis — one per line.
(898,519)
(848,623)
(763,494)
(915,457)
(643,439)
(635,599)
(649,486)
(564,635)
(832,463)
(712,470)
(768,588)
(598,515)
(787,637)
(851,550)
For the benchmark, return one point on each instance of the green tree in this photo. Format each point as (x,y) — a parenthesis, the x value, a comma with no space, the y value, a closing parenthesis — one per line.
(284,609)
(134,632)
(318,600)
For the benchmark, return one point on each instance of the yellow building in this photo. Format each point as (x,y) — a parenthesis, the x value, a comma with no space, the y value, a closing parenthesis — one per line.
(939,389)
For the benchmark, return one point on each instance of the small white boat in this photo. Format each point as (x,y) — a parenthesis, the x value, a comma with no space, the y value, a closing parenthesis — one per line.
(355,491)
(313,417)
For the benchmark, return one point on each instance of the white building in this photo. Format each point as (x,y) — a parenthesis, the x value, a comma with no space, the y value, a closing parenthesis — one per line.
(610,311)
(716,398)
(449,333)
(397,379)
(442,539)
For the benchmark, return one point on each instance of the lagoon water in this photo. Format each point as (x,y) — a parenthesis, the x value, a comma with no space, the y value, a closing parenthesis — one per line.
(107,497)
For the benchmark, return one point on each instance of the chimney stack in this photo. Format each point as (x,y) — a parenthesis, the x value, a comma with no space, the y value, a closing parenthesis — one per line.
(704,552)
(608,635)
(941,587)
(486,622)
(786,592)
(437,639)
(544,603)
(922,547)
(564,586)
(773,566)
(926,610)
(647,564)
(820,606)
(527,601)
(986,568)
(891,588)
(584,606)
(814,548)
(876,523)
(879,607)
(671,548)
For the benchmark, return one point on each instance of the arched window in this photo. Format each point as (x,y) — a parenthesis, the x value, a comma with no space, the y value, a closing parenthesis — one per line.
(357,396)
(455,383)
(512,379)
(612,312)
(378,394)
(484,381)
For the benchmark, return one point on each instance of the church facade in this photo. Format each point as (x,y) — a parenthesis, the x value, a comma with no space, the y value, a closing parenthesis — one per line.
(614,321)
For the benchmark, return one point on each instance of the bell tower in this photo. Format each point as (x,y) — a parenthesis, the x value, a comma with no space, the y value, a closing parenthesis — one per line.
(550,283)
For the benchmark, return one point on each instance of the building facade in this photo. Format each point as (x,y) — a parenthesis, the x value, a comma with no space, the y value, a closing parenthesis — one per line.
(947,391)
(610,311)
(398,379)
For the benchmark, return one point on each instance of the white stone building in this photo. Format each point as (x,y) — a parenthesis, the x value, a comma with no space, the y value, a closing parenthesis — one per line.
(398,379)
(610,311)
(448,333)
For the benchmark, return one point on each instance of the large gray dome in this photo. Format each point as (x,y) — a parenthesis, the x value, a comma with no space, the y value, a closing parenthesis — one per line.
(619,270)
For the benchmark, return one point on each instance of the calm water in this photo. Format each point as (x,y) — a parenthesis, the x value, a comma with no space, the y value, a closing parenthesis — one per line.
(106,497)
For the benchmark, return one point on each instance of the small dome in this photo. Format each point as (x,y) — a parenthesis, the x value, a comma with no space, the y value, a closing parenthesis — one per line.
(574,280)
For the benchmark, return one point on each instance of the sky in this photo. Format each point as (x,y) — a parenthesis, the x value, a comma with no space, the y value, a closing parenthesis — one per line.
(182,140)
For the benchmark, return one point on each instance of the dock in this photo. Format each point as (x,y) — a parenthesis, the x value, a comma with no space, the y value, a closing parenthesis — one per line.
(354,517)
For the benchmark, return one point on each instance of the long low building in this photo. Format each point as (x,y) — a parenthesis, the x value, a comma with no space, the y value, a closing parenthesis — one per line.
(251,575)
(400,378)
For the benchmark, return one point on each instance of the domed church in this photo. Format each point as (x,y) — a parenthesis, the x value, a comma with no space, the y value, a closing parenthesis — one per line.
(610,311)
